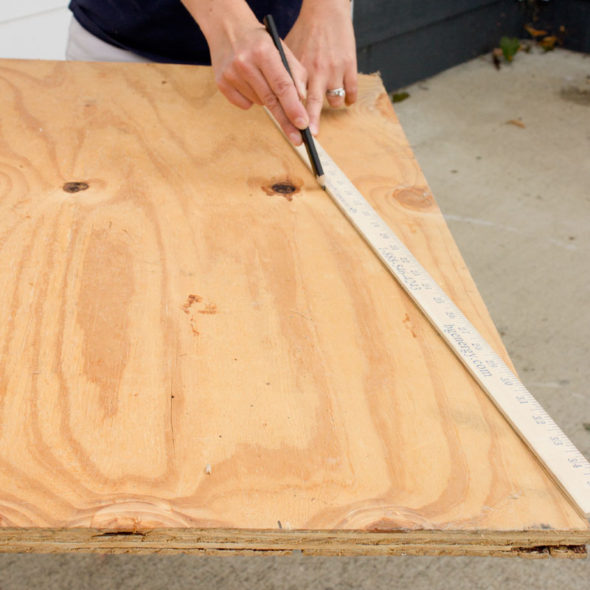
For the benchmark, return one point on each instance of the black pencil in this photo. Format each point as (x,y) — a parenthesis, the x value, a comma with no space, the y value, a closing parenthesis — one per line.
(316,165)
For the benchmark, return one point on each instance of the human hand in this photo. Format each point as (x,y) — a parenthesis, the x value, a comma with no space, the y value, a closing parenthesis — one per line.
(251,71)
(247,66)
(322,39)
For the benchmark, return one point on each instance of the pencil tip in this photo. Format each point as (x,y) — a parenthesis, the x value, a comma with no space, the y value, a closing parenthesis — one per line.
(321,180)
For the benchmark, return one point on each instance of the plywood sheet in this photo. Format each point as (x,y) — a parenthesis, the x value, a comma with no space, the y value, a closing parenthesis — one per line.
(192,360)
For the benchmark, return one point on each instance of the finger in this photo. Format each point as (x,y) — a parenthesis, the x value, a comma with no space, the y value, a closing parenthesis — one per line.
(283,89)
(315,100)
(334,100)
(266,96)
(234,96)
(288,128)
(239,83)
(351,84)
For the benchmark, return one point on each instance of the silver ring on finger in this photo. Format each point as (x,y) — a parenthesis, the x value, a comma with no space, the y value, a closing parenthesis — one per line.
(336,92)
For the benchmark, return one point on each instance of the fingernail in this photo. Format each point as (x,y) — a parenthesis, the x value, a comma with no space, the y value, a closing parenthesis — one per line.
(295,138)
(301,123)
(314,128)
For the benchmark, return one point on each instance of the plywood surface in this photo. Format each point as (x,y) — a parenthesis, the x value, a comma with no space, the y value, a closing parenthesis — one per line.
(204,364)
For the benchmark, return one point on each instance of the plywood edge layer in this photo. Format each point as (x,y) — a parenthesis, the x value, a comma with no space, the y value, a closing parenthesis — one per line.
(531,544)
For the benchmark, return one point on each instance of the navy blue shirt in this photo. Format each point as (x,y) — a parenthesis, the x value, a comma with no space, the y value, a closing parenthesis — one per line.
(163,30)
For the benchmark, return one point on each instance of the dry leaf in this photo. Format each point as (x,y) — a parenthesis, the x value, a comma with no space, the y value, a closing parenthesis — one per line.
(534,32)
(516,122)
(548,43)
(399,96)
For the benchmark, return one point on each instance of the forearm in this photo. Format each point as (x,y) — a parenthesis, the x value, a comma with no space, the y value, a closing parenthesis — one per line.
(221,18)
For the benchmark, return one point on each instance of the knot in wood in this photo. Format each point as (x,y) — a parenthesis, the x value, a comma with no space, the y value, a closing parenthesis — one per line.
(283,188)
(75,187)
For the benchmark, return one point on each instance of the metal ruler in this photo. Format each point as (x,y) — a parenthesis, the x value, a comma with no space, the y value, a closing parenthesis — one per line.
(537,429)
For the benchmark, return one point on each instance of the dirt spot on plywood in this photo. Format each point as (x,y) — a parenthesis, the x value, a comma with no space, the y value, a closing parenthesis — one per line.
(189,302)
(408,324)
(195,304)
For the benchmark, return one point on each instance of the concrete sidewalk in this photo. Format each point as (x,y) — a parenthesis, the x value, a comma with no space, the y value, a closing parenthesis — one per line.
(517,199)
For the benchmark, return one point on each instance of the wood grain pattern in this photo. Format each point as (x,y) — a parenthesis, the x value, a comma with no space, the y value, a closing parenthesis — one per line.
(193,358)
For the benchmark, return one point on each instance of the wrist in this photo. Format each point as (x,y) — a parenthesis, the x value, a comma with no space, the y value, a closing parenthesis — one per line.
(327,8)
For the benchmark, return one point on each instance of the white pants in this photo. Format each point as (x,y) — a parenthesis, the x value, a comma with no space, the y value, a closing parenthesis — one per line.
(84,46)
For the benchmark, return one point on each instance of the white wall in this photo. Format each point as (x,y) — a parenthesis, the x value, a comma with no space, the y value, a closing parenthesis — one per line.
(33,29)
